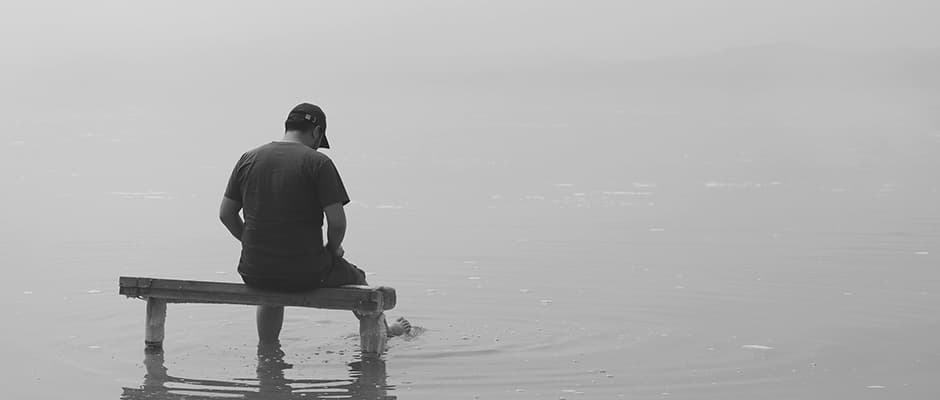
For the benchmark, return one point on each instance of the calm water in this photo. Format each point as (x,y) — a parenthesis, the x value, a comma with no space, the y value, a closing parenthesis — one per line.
(642,290)
(673,251)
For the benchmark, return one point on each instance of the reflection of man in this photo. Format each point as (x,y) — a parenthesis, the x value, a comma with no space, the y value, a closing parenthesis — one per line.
(284,189)
(368,379)
(270,371)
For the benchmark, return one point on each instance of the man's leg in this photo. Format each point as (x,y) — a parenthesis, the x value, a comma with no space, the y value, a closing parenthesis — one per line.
(270,319)
(345,273)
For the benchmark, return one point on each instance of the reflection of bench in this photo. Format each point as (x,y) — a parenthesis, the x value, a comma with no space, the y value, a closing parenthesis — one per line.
(366,379)
(368,303)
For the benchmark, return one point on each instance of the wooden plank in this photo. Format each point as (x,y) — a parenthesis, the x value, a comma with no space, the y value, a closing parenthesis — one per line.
(368,299)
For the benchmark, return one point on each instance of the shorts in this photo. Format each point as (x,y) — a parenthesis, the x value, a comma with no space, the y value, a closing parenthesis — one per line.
(340,273)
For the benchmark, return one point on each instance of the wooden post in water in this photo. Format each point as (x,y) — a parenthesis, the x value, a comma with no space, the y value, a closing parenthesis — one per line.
(373,333)
(156,321)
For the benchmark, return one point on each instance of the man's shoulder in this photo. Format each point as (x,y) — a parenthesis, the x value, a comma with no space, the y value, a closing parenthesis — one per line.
(293,151)
(262,148)
(316,157)
(255,151)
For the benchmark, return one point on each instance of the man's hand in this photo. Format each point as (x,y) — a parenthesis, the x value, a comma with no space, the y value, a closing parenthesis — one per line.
(334,249)
(339,251)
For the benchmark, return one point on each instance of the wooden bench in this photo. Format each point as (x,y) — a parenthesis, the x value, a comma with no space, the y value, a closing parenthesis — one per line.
(368,303)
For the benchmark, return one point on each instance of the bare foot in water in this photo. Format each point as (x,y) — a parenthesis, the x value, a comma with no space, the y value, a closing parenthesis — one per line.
(400,327)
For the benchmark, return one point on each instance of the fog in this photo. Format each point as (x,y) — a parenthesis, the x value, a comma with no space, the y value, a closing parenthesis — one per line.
(620,199)
(458,101)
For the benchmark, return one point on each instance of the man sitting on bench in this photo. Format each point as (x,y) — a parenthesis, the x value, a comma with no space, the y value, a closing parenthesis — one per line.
(285,187)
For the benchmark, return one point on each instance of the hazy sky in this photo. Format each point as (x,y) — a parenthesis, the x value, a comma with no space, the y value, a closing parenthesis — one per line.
(393,75)
(68,49)
(429,29)
(118,96)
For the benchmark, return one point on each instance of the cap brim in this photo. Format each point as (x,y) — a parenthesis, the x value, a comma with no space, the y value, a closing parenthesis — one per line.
(324,144)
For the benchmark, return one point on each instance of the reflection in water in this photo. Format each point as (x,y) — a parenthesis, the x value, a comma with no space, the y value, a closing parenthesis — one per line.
(368,382)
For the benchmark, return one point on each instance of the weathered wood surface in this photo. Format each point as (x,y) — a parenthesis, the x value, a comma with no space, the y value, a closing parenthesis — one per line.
(155,323)
(357,298)
(373,332)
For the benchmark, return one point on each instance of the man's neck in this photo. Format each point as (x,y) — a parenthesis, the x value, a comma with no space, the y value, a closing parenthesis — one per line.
(292,136)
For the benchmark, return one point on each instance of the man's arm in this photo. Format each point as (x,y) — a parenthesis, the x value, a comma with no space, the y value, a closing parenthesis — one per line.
(336,228)
(228,213)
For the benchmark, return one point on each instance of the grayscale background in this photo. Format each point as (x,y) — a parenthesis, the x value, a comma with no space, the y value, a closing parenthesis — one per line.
(582,200)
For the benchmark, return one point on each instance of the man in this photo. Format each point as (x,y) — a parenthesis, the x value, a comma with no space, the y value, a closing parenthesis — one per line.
(284,189)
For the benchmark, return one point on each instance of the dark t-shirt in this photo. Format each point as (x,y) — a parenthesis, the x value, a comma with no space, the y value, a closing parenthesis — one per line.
(283,188)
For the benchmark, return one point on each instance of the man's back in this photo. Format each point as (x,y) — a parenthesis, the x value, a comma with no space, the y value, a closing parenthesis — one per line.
(283,188)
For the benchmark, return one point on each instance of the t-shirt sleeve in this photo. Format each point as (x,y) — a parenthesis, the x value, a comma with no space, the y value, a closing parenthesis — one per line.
(330,189)
(233,189)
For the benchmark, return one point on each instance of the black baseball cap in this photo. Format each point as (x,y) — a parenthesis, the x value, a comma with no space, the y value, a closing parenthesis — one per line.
(312,114)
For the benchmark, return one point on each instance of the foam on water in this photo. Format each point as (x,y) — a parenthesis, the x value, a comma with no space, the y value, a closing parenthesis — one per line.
(756,347)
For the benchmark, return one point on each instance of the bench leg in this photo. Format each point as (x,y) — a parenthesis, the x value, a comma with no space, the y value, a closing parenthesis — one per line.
(156,319)
(372,332)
